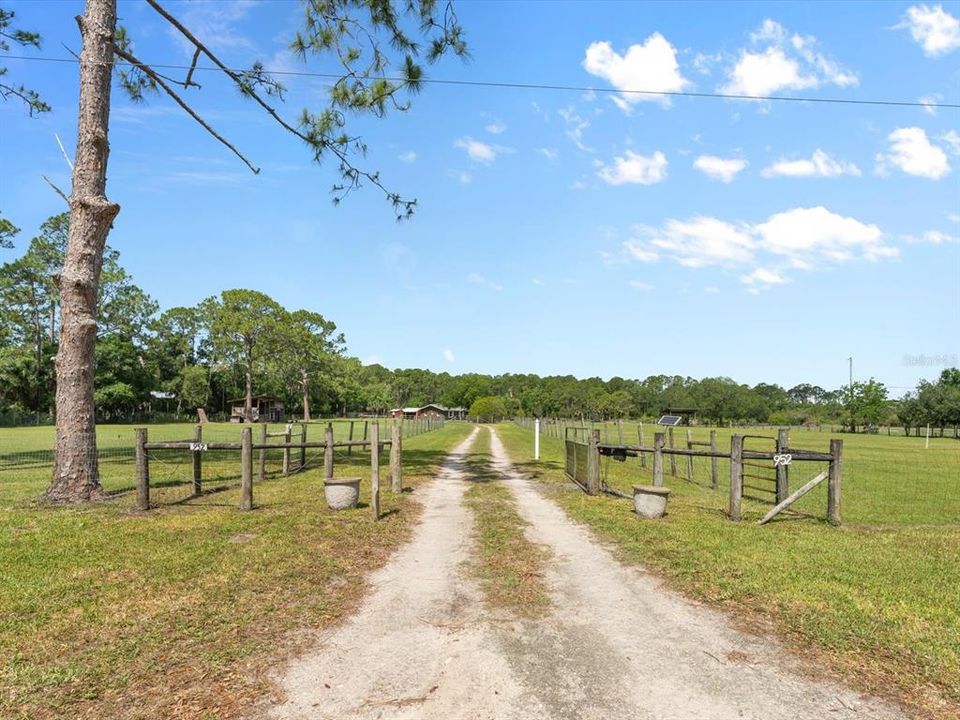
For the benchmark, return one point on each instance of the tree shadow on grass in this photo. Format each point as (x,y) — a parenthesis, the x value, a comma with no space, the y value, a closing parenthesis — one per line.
(478,469)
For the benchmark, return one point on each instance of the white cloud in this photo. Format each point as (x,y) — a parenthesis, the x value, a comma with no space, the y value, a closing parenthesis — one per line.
(538,282)
(549,153)
(475,278)
(214,24)
(933,237)
(697,242)
(797,239)
(763,278)
(952,139)
(930,102)
(810,234)
(461,176)
(408,157)
(496,127)
(478,151)
(640,285)
(786,63)
(575,127)
(651,66)
(820,164)
(635,169)
(913,153)
(723,169)
(448,355)
(936,30)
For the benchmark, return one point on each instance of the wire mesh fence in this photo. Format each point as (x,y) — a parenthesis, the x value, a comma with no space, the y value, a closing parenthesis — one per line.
(26,453)
(887,480)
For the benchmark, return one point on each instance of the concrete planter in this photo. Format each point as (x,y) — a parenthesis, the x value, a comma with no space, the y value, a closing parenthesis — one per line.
(650,501)
(341,493)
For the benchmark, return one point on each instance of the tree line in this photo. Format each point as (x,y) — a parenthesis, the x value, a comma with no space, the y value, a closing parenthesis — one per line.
(153,364)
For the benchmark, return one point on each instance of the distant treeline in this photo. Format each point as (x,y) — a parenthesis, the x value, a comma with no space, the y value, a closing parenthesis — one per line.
(163,365)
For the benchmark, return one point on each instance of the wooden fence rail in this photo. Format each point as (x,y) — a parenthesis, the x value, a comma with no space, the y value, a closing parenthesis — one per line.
(247,446)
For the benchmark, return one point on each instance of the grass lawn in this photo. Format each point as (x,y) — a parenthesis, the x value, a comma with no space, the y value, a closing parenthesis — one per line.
(180,612)
(878,604)
(509,567)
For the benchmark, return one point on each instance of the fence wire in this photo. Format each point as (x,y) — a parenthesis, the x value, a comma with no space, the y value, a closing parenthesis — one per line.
(887,479)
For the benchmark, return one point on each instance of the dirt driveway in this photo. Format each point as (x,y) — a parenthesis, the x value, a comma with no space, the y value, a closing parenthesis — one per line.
(617,644)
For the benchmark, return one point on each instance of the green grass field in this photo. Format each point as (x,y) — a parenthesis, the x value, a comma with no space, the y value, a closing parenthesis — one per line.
(181,611)
(878,603)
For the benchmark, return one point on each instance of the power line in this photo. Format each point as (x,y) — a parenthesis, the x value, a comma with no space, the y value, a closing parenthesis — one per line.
(557,87)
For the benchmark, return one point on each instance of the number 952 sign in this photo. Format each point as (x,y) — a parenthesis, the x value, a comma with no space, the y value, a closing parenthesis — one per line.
(782,459)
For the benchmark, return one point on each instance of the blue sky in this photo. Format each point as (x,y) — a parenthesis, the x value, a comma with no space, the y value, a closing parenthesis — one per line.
(591,233)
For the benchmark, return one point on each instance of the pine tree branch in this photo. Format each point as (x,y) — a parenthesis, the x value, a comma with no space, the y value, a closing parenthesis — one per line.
(318,141)
(149,72)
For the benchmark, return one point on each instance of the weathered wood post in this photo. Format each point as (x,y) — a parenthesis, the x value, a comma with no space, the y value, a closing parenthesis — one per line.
(833,482)
(375,469)
(143,470)
(396,458)
(593,463)
(673,458)
(246,468)
(783,478)
(262,472)
(714,462)
(286,451)
(303,449)
(643,455)
(350,438)
(197,461)
(658,459)
(328,451)
(689,457)
(620,431)
(736,476)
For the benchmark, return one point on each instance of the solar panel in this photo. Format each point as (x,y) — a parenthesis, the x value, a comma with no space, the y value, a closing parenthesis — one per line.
(670,420)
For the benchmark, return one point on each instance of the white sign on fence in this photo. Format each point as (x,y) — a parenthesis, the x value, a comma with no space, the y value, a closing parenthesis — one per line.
(198,447)
(782,459)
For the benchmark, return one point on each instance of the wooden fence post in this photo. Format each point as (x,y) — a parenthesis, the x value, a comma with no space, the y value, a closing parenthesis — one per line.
(658,459)
(246,468)
(262,473)
(197,461)
(350,438)
(673,458)
(643,456)
(783,478)
(689,457)
(375,469)
(833,483)
(328,451)
(736,476)
(143,470)
(303,450)
(396,458)
(593,463)
(286,451)
(714,462)
(620,431)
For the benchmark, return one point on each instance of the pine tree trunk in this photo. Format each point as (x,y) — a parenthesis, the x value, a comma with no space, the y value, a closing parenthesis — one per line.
(75,472)
(306,395)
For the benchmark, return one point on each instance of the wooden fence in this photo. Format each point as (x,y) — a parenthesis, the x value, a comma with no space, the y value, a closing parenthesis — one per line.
(246,448)
(583,450)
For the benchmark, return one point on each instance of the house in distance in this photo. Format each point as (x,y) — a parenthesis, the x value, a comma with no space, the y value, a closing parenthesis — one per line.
(430,410)
(265,409)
